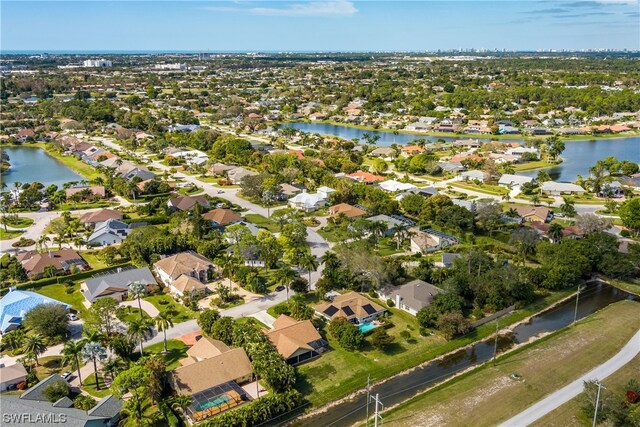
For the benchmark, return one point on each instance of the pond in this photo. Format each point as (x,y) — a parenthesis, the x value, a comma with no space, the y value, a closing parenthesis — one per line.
(578,155)
(31,164)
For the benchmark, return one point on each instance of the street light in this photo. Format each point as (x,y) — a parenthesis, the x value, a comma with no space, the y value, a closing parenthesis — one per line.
(575,312)
(595,413)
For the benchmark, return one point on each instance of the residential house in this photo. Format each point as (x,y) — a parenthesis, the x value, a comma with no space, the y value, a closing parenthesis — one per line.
(346,210)
(115,283)
(534,213)
(510,180)
(190,263)
(62,260)
(410,150)
(412,296)
(296,340)
(33,407)
(429,240)
(308,202)
(366,177)
(391,222)
(221,218)
(462,157)
(421,191)
(91,218)
(186,203)
(185,284)
(111,232)
(473,175)
(351,306)
(11,376)
(220,169)
(236,175)
(17,303)
(95,190)
(611,189)
(558,188)
(571,232)
(325,191)
(212,376)
(467,143)
(451,167)
(384,152)
(192,157)
(394,186)
(446,260)
(285,191)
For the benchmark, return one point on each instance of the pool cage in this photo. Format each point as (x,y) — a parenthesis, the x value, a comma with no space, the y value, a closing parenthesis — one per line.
(216,400)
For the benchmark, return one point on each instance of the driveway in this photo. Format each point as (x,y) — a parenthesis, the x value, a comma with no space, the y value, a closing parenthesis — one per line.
(264,317)
(148,308)
(555,400)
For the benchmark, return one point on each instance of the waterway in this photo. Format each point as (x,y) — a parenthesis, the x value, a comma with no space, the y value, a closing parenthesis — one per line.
(405,386)
(578,156)
(31,164)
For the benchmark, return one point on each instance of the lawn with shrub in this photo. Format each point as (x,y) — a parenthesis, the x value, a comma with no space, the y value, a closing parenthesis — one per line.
(9,234)
(263,222)
(176,350)
(164,302)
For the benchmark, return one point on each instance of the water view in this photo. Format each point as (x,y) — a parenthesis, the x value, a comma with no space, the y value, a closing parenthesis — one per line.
(29,164)
(578,155)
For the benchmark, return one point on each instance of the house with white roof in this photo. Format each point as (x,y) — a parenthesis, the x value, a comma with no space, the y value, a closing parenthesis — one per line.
(394,186)
(509,180)
(558,188)
(308,202)
(325,191)
(472,175)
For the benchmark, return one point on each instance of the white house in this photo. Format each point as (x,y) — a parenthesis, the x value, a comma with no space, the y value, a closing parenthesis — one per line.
(308,202)
(110,232)
(325,192)
(192,157)
(508,180)
(472,175)
(558,188)
(410,297)
(519,151)
(394,186)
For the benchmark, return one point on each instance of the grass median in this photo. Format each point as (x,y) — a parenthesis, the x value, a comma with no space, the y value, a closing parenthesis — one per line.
(488,395)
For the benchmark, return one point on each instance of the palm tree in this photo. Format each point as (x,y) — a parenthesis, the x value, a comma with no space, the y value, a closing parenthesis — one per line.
(535,199)
(14,339)
(163,322)
(284,276)
(111,366)
(399,233)
(72,351)
(42,241)
(180,402)
(94,351)
(555,232)
(309,262)
(138,290)
(93,335)
(227,263)
(138,330)
(34,345)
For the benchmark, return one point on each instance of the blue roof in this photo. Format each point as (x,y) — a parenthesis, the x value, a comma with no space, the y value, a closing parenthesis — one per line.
(15,304)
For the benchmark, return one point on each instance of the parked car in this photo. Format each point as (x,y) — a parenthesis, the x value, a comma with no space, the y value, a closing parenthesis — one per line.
(66,376)
(72,316)
(220,205)
(220,191)
(279,288)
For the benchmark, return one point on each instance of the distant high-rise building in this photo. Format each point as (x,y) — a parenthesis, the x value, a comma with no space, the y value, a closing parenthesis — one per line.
(96,63)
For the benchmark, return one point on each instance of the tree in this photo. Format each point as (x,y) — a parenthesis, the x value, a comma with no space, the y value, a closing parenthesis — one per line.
(137,290)
(112,366)
(93,351)
(157,368)
(310,263)
(591,223)
(568,207)
(206,320)
(122,346)
(412,204)
(48,320)
(555,232)
(452,324)
(138,330)
(629,213)
(72,351)
(101,314)
(347,334)
(490,215)
(380,339)
(284,276)
(163,322)
(14,339)
(133,381)
(34,346)
(379,166)
(84,402)
(56,391)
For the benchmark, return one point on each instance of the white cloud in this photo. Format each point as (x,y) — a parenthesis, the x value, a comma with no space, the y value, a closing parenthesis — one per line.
(313,8)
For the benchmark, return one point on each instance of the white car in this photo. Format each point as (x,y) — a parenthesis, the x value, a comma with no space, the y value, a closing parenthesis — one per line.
(72,316)
(66,376)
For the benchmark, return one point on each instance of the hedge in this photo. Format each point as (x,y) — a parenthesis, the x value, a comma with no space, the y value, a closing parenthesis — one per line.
(150,220)
(257,412)
(36,284)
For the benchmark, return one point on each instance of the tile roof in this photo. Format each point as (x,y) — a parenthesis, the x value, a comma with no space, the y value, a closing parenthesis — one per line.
(186,283)
(183,263)
(116,281)
(100,216)
(35,262)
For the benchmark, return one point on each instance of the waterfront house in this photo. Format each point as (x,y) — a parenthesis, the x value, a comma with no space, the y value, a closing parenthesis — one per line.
(509,180)
(95,191)
(351,306)
(559,188)
(412,296)
(115,283)
(297,341)
(384,152)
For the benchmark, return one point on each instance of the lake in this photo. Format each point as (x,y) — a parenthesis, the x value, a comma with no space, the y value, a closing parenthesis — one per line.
(578,155)
(30,164)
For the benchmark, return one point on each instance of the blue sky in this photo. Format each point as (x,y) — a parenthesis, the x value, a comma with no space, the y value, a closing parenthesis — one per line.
(318,25)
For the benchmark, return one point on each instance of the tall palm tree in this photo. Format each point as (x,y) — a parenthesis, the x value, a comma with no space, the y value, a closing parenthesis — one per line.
(138,330)
(309,262)
(163,322)
(34,345)
(94,335)
(227,263)
(112,366)
(399,233)
(555,232)
(94,351)
(284,276)
(72,351)
(138,290)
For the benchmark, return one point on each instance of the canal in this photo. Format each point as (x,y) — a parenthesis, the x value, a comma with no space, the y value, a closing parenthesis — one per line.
(32,164)
(405,386)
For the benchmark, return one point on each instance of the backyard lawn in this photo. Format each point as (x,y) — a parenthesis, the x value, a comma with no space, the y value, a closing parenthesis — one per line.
(176,350)
(488,395)
(58,291)
(333,233)
(482,188)
(263,222)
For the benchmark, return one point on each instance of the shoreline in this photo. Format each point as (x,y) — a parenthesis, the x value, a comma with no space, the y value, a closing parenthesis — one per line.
(464,135)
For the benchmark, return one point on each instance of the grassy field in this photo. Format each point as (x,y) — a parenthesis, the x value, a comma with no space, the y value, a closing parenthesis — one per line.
(263,222)
(72,162)
(488,395)
(339,372)
(58,291)
(527,166)
(481,188)
(183,313)
(629,286)
(9,234)
(570,414)
(176,350)
(332,233)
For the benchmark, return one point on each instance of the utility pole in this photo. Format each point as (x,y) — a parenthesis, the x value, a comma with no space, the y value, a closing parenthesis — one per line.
(595,413)
(368,398)
(377,415)
(575,312)
(495,343)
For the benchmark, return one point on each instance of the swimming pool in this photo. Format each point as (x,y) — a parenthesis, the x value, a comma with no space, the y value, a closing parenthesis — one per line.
(366,327)
(217,401)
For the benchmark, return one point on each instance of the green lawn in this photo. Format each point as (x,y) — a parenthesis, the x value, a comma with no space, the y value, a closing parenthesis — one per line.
(263,222)
(9,234)
(48,365)
(176,350)
(627,285)
(74,163)
(527,166)
(339,372)
(92,258)
(332,233)
(482,188)
(570,414)
(89,385)
(488,395)
(58,291)
(19,222)
(183,313)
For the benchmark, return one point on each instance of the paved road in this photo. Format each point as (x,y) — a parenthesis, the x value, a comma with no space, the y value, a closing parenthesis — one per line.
(555,400)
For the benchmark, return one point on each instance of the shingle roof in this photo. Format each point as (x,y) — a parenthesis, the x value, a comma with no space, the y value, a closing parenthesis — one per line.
(34,262)
(116,281)
(186,283)
(184,203)
(228,366)
(183,263)
(415,294)
(222,216)
(108,407)
(290,335)
(99,216)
